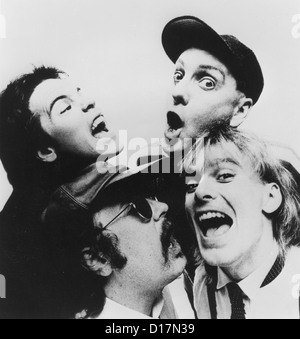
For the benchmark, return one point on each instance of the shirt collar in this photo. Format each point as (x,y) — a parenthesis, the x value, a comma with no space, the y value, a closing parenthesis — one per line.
(252,284)
(114,310)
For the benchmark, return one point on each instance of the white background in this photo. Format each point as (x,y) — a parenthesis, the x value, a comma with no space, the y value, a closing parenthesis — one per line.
(113,48)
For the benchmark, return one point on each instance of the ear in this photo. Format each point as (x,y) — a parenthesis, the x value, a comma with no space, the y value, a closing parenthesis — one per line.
(242,111)
(47,154)
(273,198)
(99,265)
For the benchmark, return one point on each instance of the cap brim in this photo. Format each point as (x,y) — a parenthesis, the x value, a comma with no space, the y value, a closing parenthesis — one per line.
(136,181)
(157,167)
(188,32)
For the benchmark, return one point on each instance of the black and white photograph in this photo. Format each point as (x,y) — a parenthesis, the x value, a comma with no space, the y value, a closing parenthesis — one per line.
(149,162)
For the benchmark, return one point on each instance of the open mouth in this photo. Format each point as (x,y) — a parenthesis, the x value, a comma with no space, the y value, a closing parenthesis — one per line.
(174,121)
(214,224)
(175,126)
(98,127)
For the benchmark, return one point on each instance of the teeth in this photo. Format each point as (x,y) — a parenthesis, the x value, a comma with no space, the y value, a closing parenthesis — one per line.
(97,122)
(211,215)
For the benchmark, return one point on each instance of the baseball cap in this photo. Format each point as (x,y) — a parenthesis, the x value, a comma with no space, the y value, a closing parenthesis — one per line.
(73,203)
(187,32)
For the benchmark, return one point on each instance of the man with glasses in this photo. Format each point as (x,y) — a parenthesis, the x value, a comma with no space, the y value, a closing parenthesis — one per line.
(115,247)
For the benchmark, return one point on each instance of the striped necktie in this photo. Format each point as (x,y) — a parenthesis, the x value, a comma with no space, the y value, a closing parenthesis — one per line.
(237,301)
(237,296)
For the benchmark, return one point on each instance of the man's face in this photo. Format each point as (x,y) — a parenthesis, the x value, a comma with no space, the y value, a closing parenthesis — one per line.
(154,257)
(225,204)
(72,120)
(204,94)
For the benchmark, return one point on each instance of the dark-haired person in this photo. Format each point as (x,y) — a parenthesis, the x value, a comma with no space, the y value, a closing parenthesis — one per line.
(49,130)
(244,206)
(115,245)
(217,80)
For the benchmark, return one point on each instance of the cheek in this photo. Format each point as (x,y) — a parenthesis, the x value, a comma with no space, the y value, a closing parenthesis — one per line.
(249,211)
(189,203)
(70,130)
(70,122)
(140,245)
(210,106)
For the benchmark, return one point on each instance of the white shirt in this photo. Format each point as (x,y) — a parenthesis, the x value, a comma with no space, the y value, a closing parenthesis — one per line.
(180,299)
(174,304)
(274,301)
(113,310)
(163,309)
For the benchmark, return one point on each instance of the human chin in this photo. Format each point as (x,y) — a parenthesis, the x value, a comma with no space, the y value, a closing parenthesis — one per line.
(221,257)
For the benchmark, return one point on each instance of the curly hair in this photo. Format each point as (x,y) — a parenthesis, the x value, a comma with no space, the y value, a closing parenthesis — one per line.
(20,129)
(286,220)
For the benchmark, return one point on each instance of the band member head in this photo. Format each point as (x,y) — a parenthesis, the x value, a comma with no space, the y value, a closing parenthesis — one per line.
(241,201)
(48,122)
(121,234)
(217,78)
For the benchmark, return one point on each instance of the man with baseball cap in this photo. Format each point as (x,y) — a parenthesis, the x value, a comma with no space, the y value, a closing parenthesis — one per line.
(217,77)
(114,244)
(217,80)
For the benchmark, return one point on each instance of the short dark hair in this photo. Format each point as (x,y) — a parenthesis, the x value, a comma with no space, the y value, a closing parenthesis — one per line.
(20,129)
(76,287)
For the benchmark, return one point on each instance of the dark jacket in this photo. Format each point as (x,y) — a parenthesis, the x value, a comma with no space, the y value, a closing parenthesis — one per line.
(24,259)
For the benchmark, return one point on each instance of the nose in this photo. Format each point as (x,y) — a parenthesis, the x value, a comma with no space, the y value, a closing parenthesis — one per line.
(159,210)
(205,191)
(180,94)
(88,104)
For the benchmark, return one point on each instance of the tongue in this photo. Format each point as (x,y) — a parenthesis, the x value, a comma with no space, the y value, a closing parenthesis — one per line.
(217,232)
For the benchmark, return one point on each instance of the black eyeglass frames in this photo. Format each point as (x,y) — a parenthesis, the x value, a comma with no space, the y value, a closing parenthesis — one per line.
(142,208)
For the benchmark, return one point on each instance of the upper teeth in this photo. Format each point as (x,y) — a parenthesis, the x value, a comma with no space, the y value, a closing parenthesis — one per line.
(211,215)
(97,122)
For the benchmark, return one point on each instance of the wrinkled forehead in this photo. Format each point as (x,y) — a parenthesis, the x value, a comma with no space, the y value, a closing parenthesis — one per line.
(49,91)
(195,58)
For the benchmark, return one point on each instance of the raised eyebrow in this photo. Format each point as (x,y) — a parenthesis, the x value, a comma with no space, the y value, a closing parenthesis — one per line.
(212,68)
(56,100)
(181,62)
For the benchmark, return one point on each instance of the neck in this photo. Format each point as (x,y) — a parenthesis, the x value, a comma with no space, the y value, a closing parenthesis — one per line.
(252,259)
(132,297)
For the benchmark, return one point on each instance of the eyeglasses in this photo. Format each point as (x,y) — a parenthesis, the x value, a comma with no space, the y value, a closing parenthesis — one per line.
(141,207)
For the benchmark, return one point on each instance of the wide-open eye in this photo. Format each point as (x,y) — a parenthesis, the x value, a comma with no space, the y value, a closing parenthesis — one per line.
(178,76)
(207,83)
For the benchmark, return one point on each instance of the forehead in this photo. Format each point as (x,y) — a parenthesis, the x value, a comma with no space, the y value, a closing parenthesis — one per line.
(226,153)
(223,154)
(49,90)
(194,58)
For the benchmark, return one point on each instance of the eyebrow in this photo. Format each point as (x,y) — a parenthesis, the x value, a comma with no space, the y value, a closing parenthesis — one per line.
(181,62)
(212,68)
(56,100)
(206,67)
(218,162)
